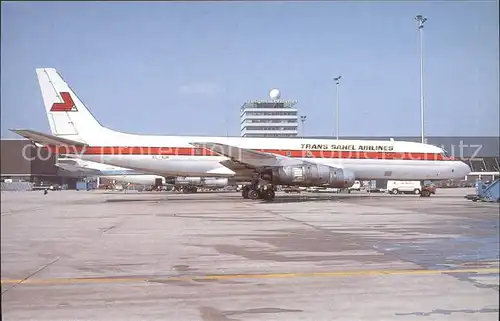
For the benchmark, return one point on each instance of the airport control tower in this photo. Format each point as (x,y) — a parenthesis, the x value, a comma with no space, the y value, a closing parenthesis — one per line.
(269,118)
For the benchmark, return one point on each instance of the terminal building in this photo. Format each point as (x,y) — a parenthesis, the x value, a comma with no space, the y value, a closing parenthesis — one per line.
(271,118)
(23,162)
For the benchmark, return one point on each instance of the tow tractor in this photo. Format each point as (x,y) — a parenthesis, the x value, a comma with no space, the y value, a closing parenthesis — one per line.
(427,190)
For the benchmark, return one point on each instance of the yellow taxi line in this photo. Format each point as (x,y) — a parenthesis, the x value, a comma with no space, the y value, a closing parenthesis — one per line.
(249,276)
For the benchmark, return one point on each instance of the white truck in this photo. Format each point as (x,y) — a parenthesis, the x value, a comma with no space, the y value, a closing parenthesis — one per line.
(403,187)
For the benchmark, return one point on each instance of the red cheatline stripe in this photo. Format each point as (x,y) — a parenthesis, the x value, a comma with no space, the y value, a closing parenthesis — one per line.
(188,151)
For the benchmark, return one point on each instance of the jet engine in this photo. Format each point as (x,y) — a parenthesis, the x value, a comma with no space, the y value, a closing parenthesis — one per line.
(218,182)
(309,174)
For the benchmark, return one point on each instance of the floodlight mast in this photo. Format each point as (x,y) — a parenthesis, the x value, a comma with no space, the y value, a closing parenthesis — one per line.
(421,20)
(337,83)
(303,120)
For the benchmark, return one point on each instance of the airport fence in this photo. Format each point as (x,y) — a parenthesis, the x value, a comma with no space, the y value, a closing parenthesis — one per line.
(16,186)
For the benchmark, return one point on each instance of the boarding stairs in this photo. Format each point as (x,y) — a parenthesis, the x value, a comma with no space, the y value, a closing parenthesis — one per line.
(486,192)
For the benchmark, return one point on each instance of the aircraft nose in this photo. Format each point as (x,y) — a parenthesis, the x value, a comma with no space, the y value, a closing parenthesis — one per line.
(463,169)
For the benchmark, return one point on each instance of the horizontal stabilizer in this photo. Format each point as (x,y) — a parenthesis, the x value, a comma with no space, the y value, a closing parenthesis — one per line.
(46,139)
(74,167)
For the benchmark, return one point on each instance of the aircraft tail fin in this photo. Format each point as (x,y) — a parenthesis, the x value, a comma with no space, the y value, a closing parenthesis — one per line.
(66,113)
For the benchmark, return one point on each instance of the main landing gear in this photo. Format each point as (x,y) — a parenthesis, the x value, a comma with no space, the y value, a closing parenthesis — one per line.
(256,191)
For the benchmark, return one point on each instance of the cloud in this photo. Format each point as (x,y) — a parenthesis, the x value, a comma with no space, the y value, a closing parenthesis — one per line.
(205,89)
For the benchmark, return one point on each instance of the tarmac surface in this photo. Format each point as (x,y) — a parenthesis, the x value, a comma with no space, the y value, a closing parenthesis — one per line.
(214,256)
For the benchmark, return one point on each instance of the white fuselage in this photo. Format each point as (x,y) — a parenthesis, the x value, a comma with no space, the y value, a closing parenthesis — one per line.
(175,156)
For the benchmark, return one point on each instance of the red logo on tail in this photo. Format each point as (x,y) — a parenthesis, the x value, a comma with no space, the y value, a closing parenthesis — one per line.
(66,105)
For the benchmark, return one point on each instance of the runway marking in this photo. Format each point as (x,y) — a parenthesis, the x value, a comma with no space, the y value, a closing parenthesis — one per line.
(248,276)
(32,274)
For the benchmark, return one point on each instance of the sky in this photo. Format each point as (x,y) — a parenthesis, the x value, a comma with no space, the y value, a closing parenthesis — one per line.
(185,68)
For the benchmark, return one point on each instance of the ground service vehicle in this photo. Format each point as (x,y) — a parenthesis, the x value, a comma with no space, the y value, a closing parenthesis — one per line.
(355,187)
(404,187)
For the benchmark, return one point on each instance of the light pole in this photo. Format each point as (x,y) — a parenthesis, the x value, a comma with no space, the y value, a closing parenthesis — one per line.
(421,20)
(337,83)
(303,120)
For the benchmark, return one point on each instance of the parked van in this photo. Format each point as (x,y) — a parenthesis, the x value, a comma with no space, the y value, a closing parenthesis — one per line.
(403,187)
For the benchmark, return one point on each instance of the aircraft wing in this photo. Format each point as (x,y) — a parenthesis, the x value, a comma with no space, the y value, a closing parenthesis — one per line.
(46,139)
(247,157)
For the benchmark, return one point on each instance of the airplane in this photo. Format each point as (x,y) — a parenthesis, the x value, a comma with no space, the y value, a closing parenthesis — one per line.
(126,175)
(262,163)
